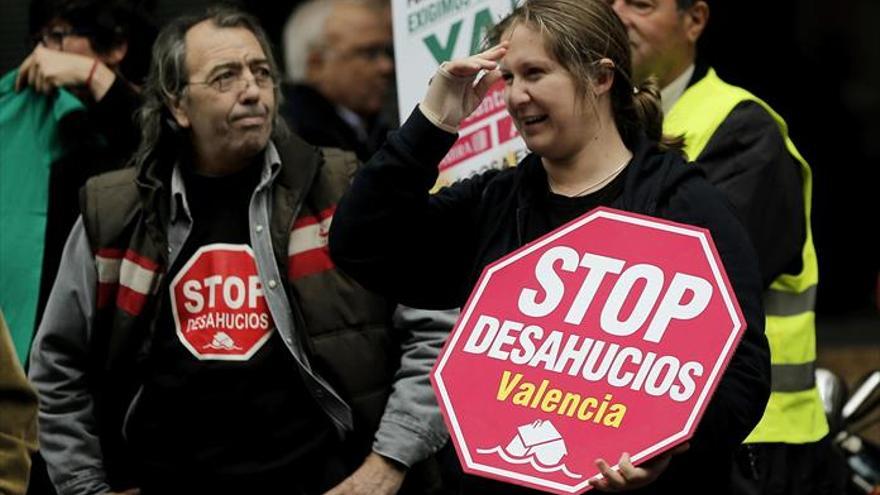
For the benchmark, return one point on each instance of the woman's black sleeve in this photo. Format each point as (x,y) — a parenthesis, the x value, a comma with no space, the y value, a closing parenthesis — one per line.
(396,238)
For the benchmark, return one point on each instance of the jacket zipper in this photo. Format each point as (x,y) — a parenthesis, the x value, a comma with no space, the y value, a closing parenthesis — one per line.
(520,225)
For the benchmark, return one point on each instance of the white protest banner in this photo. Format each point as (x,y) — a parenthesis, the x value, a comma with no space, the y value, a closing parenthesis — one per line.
(430,32)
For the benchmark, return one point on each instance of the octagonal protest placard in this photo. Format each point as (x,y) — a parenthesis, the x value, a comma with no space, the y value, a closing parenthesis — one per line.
(607,335)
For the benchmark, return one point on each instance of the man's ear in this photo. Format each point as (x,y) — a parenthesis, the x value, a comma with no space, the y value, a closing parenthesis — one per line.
(116,54)
(696,18)
(176,107)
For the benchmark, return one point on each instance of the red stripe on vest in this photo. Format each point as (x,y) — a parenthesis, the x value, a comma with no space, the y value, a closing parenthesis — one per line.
(111,253)
(132,302)
(127,299)
(106,294)
(141,260)
(312,220)
(309,263)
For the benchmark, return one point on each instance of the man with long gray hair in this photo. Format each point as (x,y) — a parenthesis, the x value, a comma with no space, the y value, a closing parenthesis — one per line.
(198,337)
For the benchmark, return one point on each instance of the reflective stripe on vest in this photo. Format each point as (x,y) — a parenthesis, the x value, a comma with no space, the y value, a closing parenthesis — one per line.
(793,377)
(794,413)
(780,303)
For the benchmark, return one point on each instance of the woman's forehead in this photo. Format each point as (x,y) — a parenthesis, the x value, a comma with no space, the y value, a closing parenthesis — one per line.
(526,45)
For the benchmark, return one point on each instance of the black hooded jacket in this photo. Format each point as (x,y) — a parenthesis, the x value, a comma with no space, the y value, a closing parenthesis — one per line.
(428,250)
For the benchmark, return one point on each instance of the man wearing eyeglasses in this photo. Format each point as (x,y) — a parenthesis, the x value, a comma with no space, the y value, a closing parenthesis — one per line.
(198,338)
(340,66)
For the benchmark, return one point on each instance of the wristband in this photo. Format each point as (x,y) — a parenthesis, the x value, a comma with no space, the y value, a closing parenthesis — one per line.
(91,73)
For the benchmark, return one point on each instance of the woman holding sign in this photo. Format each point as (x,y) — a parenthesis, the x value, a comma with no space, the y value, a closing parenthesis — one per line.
(595,140)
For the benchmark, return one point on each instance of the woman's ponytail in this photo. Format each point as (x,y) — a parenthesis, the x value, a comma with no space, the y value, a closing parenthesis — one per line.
(649,114)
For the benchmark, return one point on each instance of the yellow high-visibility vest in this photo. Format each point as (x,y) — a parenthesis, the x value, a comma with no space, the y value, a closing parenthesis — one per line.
(794,413)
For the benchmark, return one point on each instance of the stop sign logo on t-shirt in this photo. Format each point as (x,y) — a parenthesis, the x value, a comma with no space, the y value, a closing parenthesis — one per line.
(218,304)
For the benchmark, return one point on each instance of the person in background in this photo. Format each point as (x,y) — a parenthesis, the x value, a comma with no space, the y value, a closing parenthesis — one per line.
(744,149)
(198,338)
(99,50)
(339,63)
(324,39)
(66,113)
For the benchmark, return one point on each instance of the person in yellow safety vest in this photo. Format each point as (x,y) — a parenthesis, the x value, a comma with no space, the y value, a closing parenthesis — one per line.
(743,147)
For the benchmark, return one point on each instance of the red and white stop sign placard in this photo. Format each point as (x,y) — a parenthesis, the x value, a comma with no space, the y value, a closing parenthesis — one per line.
(218,305)
(605,336)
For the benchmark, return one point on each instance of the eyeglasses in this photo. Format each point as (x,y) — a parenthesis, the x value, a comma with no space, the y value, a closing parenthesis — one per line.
(54,38)
(374,52)
(233,79)
(369,53)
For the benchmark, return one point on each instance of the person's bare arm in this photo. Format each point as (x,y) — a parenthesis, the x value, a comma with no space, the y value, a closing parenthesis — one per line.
(45,70)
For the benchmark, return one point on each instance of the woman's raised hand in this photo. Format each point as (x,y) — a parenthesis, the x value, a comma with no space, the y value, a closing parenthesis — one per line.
(452,94)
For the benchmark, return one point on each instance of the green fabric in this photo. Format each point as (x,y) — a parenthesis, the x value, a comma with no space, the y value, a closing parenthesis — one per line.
(29,144)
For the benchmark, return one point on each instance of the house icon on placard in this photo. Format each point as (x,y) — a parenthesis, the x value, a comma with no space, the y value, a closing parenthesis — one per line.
(540,440)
